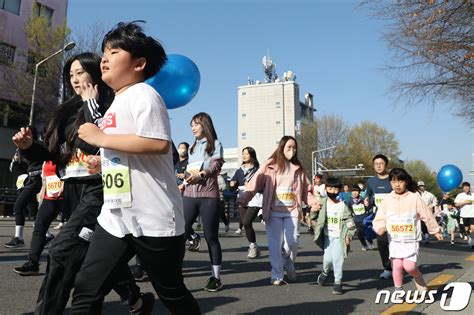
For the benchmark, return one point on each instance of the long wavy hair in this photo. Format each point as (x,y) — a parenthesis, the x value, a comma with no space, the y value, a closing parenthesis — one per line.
(72,104)
(207,129)
(278,156)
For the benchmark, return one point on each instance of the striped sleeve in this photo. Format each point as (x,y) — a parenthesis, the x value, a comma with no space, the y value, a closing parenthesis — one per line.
(93,108)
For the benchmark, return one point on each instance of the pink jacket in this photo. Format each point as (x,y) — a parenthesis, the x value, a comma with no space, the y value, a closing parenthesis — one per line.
(265,179)
(395,204)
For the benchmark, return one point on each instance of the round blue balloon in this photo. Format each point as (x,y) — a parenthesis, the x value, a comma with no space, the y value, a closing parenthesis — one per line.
(177,82)
(449,177)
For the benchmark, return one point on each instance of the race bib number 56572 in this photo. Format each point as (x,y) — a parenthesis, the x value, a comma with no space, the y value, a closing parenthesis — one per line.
(116,179)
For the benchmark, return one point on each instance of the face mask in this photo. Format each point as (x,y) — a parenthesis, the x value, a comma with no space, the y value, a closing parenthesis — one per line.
(182,152)
(361,186)
(289,155)
(332,196)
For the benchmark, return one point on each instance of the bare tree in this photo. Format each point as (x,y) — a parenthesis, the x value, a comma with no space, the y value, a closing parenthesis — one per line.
(331,131)
(432,42)
(90,39)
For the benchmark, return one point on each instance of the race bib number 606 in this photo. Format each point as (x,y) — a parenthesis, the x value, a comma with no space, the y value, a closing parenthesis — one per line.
(116,179)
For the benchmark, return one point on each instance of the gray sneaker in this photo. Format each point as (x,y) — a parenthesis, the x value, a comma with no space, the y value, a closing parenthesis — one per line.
(254,252)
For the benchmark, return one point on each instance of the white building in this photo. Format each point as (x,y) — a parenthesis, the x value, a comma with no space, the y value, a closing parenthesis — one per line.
(268,111)
(231,158)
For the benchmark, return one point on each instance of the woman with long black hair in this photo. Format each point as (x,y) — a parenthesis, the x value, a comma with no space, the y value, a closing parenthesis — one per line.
(247,214)
(201,192)
(88,97)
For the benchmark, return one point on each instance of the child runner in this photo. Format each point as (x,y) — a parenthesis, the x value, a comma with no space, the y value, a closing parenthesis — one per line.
(86,99)
(452,214)
(333,231)
(201,192)
(285,188)
(240,179)
(359,211)
(142,212)
(399,215)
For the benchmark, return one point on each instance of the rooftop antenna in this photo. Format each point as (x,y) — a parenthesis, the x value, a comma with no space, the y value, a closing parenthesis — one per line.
(269,68)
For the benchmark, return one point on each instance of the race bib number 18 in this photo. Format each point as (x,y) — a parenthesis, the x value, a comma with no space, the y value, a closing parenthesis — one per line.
(116,179)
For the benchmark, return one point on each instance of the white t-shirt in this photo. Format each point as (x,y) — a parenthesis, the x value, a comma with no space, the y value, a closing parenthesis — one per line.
(156,207)
(467,211)
(429,199)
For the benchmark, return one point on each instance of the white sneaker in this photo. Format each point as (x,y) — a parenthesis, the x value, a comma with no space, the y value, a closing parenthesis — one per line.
(386,274)
(370,246)
(254,252)
(365,248)
(470,242)
(238,232)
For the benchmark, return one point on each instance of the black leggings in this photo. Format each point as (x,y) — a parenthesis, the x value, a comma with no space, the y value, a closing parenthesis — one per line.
(162,258)
(247,215)
(382,244)
(48,210)
(27,200)
(361,234)
(209,210)
(68,250)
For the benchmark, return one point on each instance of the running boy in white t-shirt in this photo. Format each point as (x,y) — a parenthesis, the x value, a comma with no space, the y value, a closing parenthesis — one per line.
(142,212)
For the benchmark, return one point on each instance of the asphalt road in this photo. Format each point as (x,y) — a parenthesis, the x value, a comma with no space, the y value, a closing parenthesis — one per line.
(247,288)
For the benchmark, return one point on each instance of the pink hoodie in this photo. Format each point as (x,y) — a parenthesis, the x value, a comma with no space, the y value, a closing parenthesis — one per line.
(265,179)
(395,204)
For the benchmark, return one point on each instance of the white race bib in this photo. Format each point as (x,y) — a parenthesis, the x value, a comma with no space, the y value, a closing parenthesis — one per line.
(358,209)
(378,198)
(285,197)
(402,228)
(53,185)
(76,167)
(194,167)
(20,181)
(334,218)
(116,179)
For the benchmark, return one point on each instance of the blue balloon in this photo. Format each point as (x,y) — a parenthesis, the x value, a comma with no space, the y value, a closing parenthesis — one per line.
(449,177)
(177,82)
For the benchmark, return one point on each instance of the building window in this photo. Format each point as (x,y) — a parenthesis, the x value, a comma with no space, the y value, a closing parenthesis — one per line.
(244,93)
(7,54)
(278,122)
(12,6)
(42,10)
(244,116)
(244,135)
(277,105)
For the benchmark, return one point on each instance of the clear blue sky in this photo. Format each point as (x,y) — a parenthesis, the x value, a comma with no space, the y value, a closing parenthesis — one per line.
(334,49)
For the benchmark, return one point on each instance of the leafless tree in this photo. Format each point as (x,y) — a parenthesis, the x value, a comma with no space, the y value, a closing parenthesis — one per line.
(432,42)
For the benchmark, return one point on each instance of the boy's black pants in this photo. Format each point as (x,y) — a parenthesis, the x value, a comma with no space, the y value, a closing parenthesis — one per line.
(162,258)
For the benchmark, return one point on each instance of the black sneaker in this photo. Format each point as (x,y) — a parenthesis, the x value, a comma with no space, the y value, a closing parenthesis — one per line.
(28,269)
(322,278)
(337,289)
(194,243)
(139,273)
(148,303)
(213,285)
(15,243)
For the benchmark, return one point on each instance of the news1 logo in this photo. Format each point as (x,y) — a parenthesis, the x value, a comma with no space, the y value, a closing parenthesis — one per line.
(460,296)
